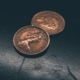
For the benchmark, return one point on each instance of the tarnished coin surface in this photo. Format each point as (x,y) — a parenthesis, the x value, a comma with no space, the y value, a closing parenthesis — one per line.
(50,21)
(31,40)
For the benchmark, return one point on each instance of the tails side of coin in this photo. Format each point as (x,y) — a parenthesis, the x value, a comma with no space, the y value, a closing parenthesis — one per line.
(31,40)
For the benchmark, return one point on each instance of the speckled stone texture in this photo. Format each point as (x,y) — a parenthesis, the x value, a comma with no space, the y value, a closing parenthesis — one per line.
(61,61)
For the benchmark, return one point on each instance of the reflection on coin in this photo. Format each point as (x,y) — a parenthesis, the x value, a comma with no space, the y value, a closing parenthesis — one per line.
(31,40)
(50,21)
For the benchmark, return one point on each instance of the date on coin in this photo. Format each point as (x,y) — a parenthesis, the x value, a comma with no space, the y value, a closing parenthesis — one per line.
(31,40)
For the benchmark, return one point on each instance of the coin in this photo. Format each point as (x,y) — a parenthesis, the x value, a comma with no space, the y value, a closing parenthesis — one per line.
(50,21)
(31,40)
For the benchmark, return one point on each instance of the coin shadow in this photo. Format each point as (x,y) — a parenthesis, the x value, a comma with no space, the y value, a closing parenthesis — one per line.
(56,35)
(32,56)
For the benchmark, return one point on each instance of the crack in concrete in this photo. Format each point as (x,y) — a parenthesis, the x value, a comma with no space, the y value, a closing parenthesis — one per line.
(71,73)
(21,65)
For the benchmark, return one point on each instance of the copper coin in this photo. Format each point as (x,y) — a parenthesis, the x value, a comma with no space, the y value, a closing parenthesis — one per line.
(31,40)
(50,21)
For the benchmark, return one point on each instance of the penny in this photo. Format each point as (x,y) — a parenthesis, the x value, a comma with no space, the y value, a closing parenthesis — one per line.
(50,21)
(31,40)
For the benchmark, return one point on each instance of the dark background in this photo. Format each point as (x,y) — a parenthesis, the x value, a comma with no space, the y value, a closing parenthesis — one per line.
(61,61)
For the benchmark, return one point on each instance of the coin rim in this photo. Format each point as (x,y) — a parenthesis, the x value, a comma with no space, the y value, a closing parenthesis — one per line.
(52,12)
(33,53)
